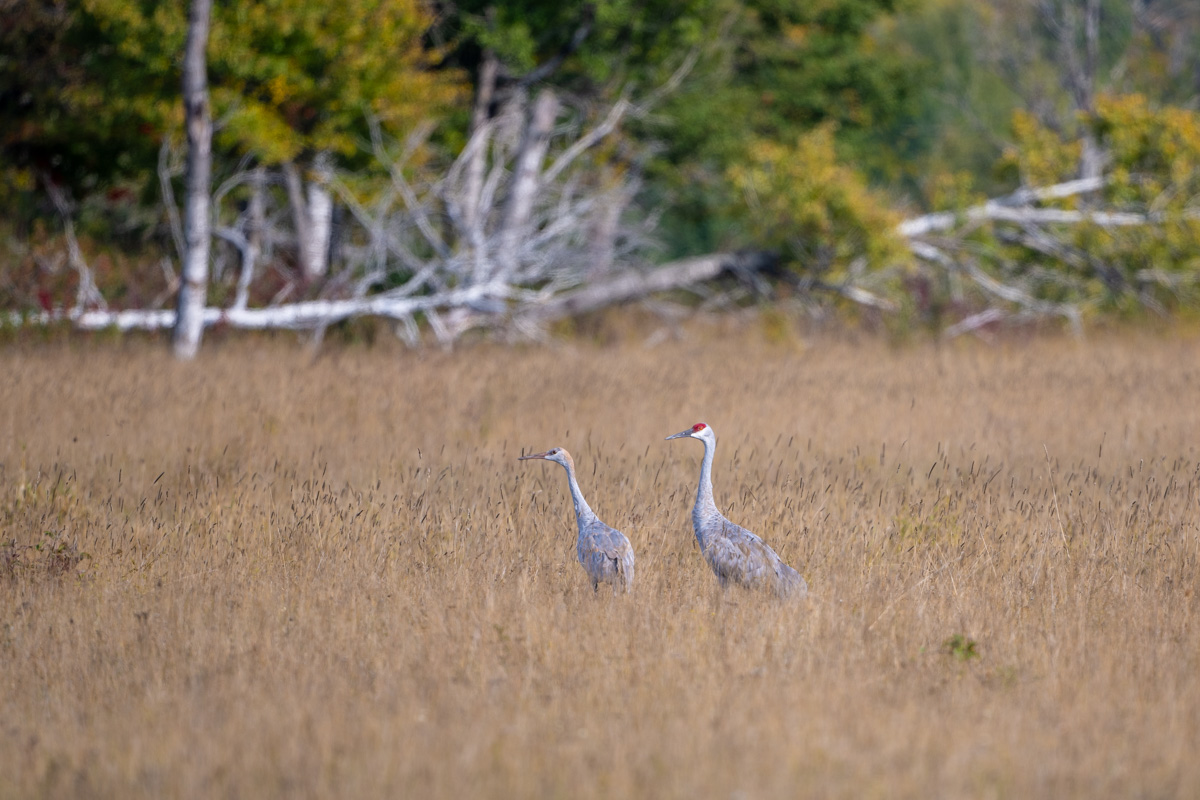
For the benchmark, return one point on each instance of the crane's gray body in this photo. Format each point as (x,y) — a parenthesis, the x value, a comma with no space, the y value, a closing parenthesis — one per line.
(738,556)
(606,555)
(735,554)
(604,552)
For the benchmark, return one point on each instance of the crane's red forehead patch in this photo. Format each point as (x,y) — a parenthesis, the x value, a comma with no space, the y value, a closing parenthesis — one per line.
(699,426)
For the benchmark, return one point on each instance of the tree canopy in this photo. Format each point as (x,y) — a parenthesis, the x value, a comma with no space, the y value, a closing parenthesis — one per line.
(806,128)
(94,84)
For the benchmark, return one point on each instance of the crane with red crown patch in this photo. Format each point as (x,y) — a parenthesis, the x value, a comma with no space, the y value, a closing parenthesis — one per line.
(735,554)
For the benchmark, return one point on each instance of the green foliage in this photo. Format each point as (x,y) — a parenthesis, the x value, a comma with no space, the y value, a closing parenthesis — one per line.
(1155,169)
(60,555)
(820,214)
(55,555)
(979,61)
(786,133)
(625,42)
(776,72)
(952,191)
(961,647)
(1154,173)
(784,68)
(956,105)
(1041,156)
(310,83)
(289,77)
(768,71)
(286,77)
(1155,153)
(90,90)
(71,102)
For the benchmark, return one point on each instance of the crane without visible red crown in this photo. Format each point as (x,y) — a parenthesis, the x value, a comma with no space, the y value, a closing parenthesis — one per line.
(604,552)
(735,554)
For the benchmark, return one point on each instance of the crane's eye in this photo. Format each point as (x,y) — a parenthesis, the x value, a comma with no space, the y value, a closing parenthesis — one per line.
(699,426)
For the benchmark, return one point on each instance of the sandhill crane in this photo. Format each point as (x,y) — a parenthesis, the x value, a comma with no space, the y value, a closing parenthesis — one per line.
(734,553)
(604,552)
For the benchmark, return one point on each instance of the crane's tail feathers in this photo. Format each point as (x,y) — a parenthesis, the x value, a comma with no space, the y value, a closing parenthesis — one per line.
(790,583)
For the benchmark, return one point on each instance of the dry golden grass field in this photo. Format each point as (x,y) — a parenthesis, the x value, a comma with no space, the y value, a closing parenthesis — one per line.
(263,575)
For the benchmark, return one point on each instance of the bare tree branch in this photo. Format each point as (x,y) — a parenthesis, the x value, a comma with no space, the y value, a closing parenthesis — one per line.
(1005,208)
(86,294)
(589,140)
(168,195)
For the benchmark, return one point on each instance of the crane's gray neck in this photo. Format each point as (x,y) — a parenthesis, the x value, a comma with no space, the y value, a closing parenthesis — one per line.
(583,512)
(705,508)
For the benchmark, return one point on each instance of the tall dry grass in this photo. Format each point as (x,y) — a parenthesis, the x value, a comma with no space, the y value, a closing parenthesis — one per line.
(333,578)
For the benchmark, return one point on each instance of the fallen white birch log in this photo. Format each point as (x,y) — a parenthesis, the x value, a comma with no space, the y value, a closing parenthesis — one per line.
(295,316)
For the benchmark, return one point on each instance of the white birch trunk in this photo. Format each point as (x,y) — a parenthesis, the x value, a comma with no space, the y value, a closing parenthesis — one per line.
(479,117)
(525,180)
(189,316)
(602,235)
(312,216)
(320,216)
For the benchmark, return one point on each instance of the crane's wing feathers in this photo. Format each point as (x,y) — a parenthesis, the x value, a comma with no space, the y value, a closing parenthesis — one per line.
(738,555)
(606,554)
(609,541)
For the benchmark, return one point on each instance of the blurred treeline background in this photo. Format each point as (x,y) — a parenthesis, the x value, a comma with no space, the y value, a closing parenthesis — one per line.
(512,152)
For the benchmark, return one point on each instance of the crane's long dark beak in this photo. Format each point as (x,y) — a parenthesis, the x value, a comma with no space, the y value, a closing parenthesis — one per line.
(688,432)
(533,455)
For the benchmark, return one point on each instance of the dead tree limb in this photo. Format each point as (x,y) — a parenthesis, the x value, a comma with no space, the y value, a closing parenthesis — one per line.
(1014,208)
(86,294)
(632,284)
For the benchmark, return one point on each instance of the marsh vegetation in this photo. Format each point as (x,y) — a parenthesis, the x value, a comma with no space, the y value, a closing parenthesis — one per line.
(274,576)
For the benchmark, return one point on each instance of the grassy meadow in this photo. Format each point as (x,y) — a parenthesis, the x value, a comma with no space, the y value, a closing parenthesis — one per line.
(269,575)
